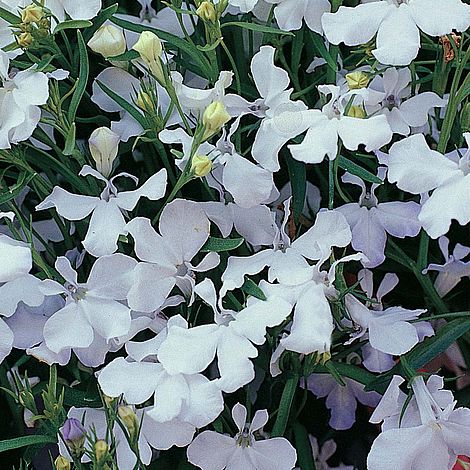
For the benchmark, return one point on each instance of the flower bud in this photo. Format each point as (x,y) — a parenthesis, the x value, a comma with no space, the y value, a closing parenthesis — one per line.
(206,11)
(357,80)
(201,165)
(61,463)
(101,450)
(104,145)
(108,41)
(32,13)
(357,112)
(144,101)
(150,49)
(74,435)
(129,418)
(214,118)
(24,40)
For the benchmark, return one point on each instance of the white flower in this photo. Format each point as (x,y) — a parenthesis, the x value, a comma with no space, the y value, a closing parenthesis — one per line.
(167,256)
(371,221)
(397,24)
(20,97)
(404,112)
(418,169)
(213,451)
(453,269)
(433,439)
(290,13)
(333,122)
(107,220)
(91,308)
(341,399)
(230,338)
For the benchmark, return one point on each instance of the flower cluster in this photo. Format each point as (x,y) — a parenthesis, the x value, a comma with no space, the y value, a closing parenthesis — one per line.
(235,234)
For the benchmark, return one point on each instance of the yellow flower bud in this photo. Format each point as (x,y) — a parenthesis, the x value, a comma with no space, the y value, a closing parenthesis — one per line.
(32,13)
(108,41)
(129,418)
(101,450)
(104,145)
(357,112)
(201,165)
(214,118)
(357,80)
(206,11)
(25,40)
(144,101)
(150,49)
(61,463)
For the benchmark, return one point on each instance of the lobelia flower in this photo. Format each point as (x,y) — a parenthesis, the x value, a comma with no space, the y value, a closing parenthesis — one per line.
(282,119)
(74,435)
(290,13)
(341,399)
(166,256)
(104,146)
(107,220)
(431,434)
(93,307)
(417,169)
(17,286)
(397,24)
(249,184)
(321,456)
(332,123)
(453,269)
(213,451)
(182,402)
(404,112)
(230,338)
(371,221)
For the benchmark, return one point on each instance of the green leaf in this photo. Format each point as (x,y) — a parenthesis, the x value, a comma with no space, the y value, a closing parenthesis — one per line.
(304,449)
(298,180)
(285,405)
(221,244)
(13,191)
(81,399)
(250,288)
(257,27)
(9,17)
(357,170)
(23,441)
(70,140)
(319,45)
(124,104)
(82,78)
(72,24)
(126,57)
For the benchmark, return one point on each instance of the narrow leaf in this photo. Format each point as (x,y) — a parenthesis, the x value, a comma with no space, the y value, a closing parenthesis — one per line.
(23,441)
(82,78)
(357,170)
(72,24)
(221,244)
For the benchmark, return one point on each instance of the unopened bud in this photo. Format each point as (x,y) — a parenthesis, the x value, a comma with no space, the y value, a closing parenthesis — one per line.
(61,463)
(144,101)
(74,433)
(357,112)
(214,118)
(150,49)
(32,14)
(24,40)
(129,418)
(101,450)
(108,41)
(201,165)
(206,11)
(357,80)
(104,144)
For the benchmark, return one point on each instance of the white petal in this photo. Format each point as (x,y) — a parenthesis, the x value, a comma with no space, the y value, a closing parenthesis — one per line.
(415,110)
(222,449)
(136,381)
(273,454)
(373,132)
(82,10)
(355,26)
(162,436)
(68,205)
(6,340)
(455,15)
(416,168)
(398,38)
(16,259)
(399,219)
